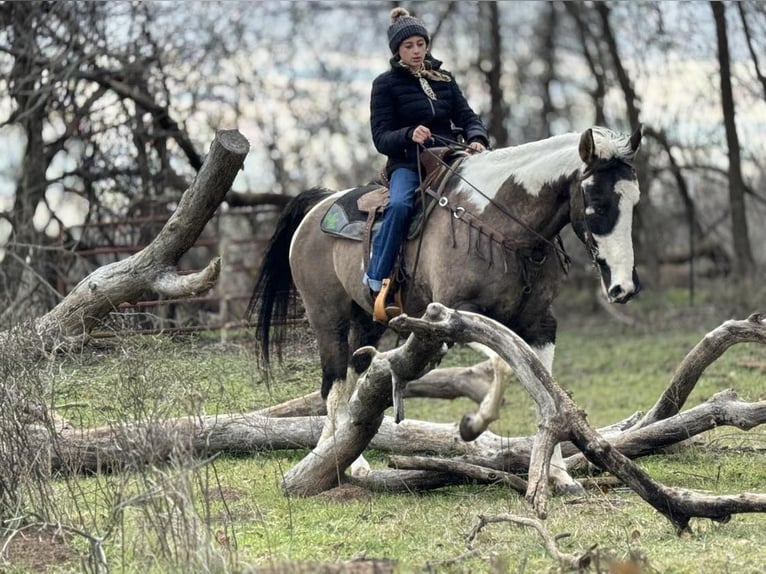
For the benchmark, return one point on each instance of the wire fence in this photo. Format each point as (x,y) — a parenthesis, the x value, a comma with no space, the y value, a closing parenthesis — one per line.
(239,236)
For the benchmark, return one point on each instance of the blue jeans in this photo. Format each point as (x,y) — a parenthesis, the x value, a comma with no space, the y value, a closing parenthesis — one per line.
(393,230)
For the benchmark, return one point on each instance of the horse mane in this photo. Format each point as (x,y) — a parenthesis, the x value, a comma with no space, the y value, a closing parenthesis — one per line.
(532,164)
(538,162)
(610,144)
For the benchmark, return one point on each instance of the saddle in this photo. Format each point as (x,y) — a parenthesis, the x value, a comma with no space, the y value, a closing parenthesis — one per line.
(356,213)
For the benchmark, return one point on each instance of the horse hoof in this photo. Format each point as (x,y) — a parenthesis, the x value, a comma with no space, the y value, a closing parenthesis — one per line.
(467,431)
(362,359)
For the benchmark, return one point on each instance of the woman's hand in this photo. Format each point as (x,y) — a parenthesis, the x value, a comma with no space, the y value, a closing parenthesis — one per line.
(421,134)
(476,146)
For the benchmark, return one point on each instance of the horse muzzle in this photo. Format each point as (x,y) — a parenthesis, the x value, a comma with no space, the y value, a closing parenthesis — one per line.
(624,293)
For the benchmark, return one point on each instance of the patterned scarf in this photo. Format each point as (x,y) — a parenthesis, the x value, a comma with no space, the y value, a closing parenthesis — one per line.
(424,74)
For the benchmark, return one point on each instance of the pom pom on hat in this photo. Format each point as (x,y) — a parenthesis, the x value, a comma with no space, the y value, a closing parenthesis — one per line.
(402,27)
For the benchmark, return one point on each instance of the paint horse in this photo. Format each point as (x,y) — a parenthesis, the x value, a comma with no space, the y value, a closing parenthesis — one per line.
(490,246)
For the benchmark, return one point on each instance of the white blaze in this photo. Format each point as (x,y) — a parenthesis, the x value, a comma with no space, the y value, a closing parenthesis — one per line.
(617,247)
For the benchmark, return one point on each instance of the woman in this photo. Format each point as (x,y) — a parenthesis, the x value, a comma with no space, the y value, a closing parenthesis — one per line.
(411,103)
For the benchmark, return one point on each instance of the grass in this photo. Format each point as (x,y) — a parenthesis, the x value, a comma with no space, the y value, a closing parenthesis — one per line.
(611,371)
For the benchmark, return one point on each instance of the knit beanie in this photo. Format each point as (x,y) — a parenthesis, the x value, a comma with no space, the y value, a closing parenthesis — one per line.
(402,27)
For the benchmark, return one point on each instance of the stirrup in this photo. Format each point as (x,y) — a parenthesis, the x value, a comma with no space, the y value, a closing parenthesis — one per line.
(383,312)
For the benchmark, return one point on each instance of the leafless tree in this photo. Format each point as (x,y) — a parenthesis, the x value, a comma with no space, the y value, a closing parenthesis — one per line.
(94,115)
(743,253)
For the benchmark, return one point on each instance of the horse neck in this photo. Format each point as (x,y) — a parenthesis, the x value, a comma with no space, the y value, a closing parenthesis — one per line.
(532,182)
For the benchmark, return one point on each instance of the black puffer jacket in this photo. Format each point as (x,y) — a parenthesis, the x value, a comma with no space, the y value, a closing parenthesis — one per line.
(399,104)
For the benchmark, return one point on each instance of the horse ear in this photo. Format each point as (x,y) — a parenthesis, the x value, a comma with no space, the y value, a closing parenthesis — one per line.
(635,139)
(587,146)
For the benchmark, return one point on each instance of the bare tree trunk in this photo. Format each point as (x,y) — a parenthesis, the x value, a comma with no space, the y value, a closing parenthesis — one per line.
(498,114)
(549,28)
(743,256)
(25,262)
(592,57)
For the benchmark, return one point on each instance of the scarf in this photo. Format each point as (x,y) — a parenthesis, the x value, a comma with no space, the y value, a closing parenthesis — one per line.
(424,74)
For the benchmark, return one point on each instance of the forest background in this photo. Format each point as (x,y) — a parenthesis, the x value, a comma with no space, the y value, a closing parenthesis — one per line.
(107,109)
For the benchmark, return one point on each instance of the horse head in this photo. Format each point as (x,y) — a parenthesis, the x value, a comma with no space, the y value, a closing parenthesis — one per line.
(602,208)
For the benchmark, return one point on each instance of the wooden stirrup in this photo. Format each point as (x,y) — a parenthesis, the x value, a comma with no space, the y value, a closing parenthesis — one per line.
(382,313)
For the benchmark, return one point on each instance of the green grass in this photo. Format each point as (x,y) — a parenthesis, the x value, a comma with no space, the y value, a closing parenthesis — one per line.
(611,371)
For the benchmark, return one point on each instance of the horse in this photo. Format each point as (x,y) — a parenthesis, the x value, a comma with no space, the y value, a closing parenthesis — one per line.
(491,246)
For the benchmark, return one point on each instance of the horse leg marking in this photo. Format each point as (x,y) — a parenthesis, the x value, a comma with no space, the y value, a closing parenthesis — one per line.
(489,411)
(337,414)
(558,475)
(471,426)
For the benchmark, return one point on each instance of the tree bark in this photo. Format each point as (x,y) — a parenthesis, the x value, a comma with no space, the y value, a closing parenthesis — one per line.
(153,268)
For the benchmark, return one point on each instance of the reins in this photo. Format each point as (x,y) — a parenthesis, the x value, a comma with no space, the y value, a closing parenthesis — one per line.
(560,251)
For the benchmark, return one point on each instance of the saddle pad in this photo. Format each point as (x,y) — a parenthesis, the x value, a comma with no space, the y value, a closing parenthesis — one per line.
(344,219)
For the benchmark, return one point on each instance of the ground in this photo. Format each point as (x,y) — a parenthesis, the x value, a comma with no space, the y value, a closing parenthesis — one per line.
(37,548)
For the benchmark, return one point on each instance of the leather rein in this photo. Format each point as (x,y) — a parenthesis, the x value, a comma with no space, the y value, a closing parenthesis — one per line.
(460,213)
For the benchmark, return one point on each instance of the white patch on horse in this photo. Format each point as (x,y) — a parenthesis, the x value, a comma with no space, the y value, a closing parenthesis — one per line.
(338,415)
(532,165)
(617,247)
(545,354)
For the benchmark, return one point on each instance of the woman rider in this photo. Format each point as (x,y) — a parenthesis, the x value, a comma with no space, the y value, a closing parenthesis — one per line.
(411,103)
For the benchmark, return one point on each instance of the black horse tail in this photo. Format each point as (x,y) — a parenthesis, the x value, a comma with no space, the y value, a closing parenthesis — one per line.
(274,287)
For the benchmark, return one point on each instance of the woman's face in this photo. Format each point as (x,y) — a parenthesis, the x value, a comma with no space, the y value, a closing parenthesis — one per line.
(412,51)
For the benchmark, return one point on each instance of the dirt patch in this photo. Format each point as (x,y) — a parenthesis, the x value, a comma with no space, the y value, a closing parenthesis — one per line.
(346,493)
(227,493)
(38,548)
(362,566)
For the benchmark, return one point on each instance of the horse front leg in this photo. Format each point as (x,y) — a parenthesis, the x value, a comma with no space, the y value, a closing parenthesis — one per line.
(558,475)
(471,426)
(338,384)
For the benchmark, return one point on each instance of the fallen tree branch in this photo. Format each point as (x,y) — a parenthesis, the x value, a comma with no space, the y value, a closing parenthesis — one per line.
(126,445)
(560,419)
(445,383)
(153,268)
(705,353)
(567,561)
(474,472)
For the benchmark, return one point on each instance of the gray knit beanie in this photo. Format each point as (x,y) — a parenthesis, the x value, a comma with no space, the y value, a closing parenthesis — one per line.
(402,27)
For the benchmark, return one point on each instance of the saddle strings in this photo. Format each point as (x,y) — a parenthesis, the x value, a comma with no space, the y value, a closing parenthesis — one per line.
(499,207)
(422,202)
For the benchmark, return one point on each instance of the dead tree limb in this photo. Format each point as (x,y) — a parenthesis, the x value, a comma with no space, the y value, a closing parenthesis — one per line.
(153,268)
(705,353)
(124,445)
(560,419)
(569,422)
(445,383)
(568,561)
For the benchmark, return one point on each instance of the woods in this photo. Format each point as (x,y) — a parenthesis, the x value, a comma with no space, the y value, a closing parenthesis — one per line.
(100,139)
